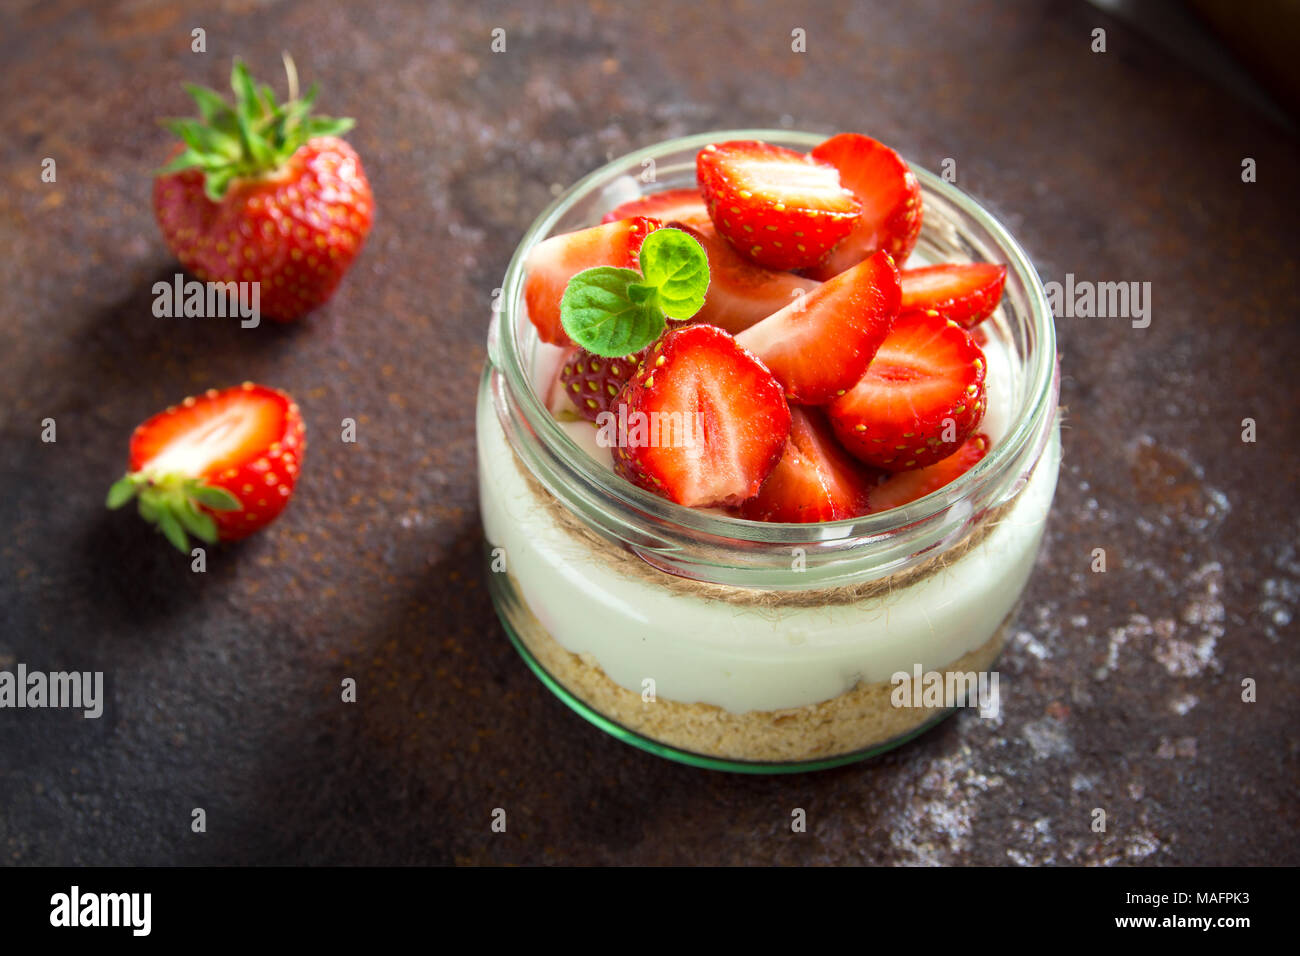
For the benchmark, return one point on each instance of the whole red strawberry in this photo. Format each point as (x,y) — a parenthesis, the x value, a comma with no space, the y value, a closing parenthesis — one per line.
(218,466)
(263,192)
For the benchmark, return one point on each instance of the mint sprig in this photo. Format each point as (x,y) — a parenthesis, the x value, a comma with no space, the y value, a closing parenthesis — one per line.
(613,312)
(252,137)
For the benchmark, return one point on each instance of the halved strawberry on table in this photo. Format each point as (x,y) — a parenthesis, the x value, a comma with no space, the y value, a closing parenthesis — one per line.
(679,205)
(778,208)
(888,194)
(820,345)
(722,420)
(905,487)
(921,396)
(740,293)
(815,480)
(218,466)
(554,261)
(965,293)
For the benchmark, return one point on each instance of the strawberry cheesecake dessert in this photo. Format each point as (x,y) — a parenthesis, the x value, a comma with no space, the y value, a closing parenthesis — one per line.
(760,438)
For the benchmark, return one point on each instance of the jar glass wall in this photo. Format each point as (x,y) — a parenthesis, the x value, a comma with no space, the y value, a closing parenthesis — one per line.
(745,645)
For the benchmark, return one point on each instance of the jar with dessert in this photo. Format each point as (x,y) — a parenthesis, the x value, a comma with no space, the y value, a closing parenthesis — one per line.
(766,440)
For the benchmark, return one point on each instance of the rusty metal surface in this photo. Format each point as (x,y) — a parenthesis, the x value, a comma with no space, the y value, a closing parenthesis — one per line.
(1121,690)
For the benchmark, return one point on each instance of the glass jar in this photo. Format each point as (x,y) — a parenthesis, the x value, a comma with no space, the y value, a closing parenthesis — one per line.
(752,646)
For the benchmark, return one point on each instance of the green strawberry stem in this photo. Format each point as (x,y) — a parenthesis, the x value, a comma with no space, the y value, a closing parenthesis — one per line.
(175,503)
(250,139)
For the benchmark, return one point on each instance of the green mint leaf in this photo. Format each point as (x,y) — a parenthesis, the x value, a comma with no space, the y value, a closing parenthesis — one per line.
(599,314)
(642,294)
(218,499)
(122,491)
(675,265)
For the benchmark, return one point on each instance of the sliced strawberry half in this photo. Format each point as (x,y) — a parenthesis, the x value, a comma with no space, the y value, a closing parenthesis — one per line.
(218,466)
(890,197)
(815,480)
(820,345)
(921,396)
(740,293)
(679,205)
(967,294)
(907,486)
(705,421)
(778,208)
(553,262)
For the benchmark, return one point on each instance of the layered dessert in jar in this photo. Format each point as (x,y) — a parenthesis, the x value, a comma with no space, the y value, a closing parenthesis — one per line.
(769,421)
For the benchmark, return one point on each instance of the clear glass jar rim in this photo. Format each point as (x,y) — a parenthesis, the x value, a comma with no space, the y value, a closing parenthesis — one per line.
(1028,424)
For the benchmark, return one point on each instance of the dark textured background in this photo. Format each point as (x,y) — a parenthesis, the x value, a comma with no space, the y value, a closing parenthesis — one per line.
(1121,689)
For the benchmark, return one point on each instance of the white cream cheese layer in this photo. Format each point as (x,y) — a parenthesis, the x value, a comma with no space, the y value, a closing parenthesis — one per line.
(746,658)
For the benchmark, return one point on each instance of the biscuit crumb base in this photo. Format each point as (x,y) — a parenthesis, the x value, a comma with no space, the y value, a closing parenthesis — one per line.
(862,718)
